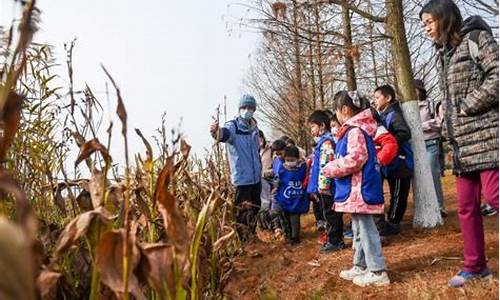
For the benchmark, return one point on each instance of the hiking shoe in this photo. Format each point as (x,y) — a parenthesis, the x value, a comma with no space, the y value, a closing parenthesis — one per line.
(329,247)
(321,226)
(488,210)
(352,273)
(390,229)
(462,277)
(323,238)
(348,234)
(372,278)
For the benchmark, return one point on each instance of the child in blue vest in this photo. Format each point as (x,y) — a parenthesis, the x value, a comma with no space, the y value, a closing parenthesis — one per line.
(291,199)
(319,186)
(358,186)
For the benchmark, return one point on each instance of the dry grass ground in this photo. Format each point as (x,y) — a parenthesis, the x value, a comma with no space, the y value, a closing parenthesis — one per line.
(419,262)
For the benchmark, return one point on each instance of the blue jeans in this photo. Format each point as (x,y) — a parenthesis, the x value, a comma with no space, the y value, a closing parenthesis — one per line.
(366,243)
(433,153)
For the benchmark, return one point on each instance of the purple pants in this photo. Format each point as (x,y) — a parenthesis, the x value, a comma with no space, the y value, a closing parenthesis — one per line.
(469,188)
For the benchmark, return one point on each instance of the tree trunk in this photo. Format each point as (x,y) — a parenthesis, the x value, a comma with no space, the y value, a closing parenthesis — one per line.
(298,80)
(319,57)
(349,62)
(427,213)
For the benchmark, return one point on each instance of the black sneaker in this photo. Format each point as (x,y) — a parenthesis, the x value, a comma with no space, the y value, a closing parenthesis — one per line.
(443,212)
(488,210)
(390,229)
(321,226)
(329,247)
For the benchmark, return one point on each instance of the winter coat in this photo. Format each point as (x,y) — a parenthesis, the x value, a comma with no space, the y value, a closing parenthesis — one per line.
(242,140)
(398,127)
(471,100)
(266,157)
(358,133)
(386,146)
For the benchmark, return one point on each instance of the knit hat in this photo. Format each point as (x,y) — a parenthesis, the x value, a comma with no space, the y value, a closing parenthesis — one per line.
(247,100)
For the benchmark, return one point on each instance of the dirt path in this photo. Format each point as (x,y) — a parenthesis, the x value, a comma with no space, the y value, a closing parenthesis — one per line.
(269,269)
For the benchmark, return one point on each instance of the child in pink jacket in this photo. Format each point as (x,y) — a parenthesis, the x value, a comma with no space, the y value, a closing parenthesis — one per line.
(358,186)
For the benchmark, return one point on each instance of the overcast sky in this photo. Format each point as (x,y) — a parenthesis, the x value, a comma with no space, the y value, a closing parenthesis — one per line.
(173,56)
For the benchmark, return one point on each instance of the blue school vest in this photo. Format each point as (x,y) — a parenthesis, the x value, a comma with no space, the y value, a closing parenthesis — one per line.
(312,186)
(291,195)
(371,180)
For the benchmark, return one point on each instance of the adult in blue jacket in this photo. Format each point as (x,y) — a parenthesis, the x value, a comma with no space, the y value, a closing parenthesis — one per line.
(241,136)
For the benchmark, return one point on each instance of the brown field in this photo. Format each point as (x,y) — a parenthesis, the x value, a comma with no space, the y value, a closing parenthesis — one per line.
(269,269)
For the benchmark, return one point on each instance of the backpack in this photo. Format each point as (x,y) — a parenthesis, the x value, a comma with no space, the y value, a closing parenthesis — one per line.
(473,42)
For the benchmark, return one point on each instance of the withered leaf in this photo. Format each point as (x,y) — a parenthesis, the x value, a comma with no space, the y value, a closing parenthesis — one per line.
(78,227)
(149,149)
(90,147)
(84,201)
(185,149)
(109,261)
(175,225)
(47,283)
(96,188)
(15,257)
(160,267)
(59,199)
(9,122)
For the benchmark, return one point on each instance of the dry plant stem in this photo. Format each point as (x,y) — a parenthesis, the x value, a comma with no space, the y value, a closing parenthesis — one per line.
(122,114)
(94,287)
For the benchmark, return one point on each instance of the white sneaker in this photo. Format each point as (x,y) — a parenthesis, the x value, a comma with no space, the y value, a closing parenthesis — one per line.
(370,278)
(352,272)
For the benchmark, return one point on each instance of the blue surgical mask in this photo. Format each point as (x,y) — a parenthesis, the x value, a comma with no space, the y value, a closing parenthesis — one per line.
(246,114)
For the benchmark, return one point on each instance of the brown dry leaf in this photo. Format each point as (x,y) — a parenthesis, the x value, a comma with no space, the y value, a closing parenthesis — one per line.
(90,147)
(185,149)
(17,273)
(149,149)
(115,197)
(84,201)
(141,203)
(47,283)
(160,267)
(109,261)
(96,188)
(78,227)
(9,123)
(175,225)
(59,199)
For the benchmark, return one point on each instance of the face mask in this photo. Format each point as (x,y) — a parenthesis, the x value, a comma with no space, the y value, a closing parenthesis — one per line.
(246,114)
(290,164)
(334,130)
